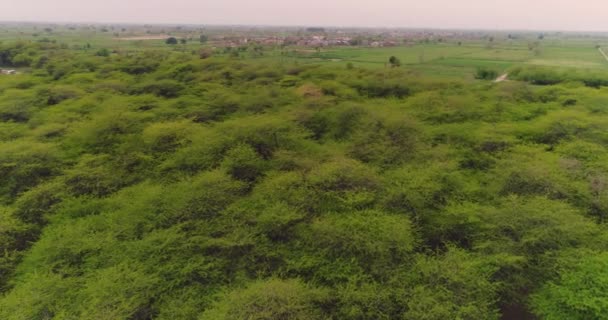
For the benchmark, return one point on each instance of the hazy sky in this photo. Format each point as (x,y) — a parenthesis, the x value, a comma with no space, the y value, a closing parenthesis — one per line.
(492,14)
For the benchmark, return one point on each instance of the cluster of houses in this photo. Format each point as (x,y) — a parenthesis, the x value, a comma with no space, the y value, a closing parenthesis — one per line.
(7,71)
(318,41)
(302,41)
(379,38)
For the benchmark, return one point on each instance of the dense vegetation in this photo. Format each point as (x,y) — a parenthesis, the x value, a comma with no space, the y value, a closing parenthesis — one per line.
(158,185)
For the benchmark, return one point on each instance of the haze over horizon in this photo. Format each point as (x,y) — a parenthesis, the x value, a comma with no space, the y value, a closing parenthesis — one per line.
(585,15)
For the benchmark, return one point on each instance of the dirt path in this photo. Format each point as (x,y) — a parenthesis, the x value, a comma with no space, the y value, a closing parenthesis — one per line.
(603,53)
(503,77)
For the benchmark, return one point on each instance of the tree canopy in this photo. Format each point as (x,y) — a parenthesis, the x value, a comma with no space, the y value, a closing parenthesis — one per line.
(153,184)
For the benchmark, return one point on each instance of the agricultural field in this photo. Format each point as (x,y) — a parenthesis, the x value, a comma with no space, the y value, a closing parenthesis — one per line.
(145,180)
(451,57)
(469,57)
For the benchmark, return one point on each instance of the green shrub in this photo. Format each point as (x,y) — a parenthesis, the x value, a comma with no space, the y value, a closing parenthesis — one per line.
(243,163)
(95,176)
(25,164)
(486,74)
(162,88)
(580,292)
(453,286)
(270,299)
(367,237)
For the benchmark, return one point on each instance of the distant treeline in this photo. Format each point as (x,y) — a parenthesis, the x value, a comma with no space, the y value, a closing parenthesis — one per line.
(550,76)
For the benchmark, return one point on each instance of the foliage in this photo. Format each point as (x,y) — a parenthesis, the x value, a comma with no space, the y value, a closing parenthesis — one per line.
(486,74)
(579,292)
(175,182)
(270,299)
(394,61)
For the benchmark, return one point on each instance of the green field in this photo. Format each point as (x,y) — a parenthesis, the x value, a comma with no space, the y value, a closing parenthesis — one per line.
(468,58)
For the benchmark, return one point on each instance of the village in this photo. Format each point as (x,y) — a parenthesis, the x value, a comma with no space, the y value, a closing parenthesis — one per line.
(319,37)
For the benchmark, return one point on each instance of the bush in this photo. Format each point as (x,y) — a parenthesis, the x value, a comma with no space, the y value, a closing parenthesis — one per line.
(243,163)
(386,143)
(15,237)
(343,184)
(382,89)
(202,197)
(367,237)
(163,138)
(270,299)
(486,74)
(24,165)
(162,88)
(579,293)
(57,94)
(103,52)
(455,285)
(35,205)
(95,176)
(118,292)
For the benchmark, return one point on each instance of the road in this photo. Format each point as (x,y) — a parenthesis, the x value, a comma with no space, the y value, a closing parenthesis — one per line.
(504,77)
(603,53)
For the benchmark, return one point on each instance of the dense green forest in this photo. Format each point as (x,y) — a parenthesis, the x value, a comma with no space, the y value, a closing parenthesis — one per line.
(160,185)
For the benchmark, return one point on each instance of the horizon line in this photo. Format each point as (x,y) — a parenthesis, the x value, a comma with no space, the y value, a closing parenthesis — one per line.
(469,29)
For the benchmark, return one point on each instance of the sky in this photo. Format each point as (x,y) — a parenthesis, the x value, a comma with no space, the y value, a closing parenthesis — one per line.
(563,15)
